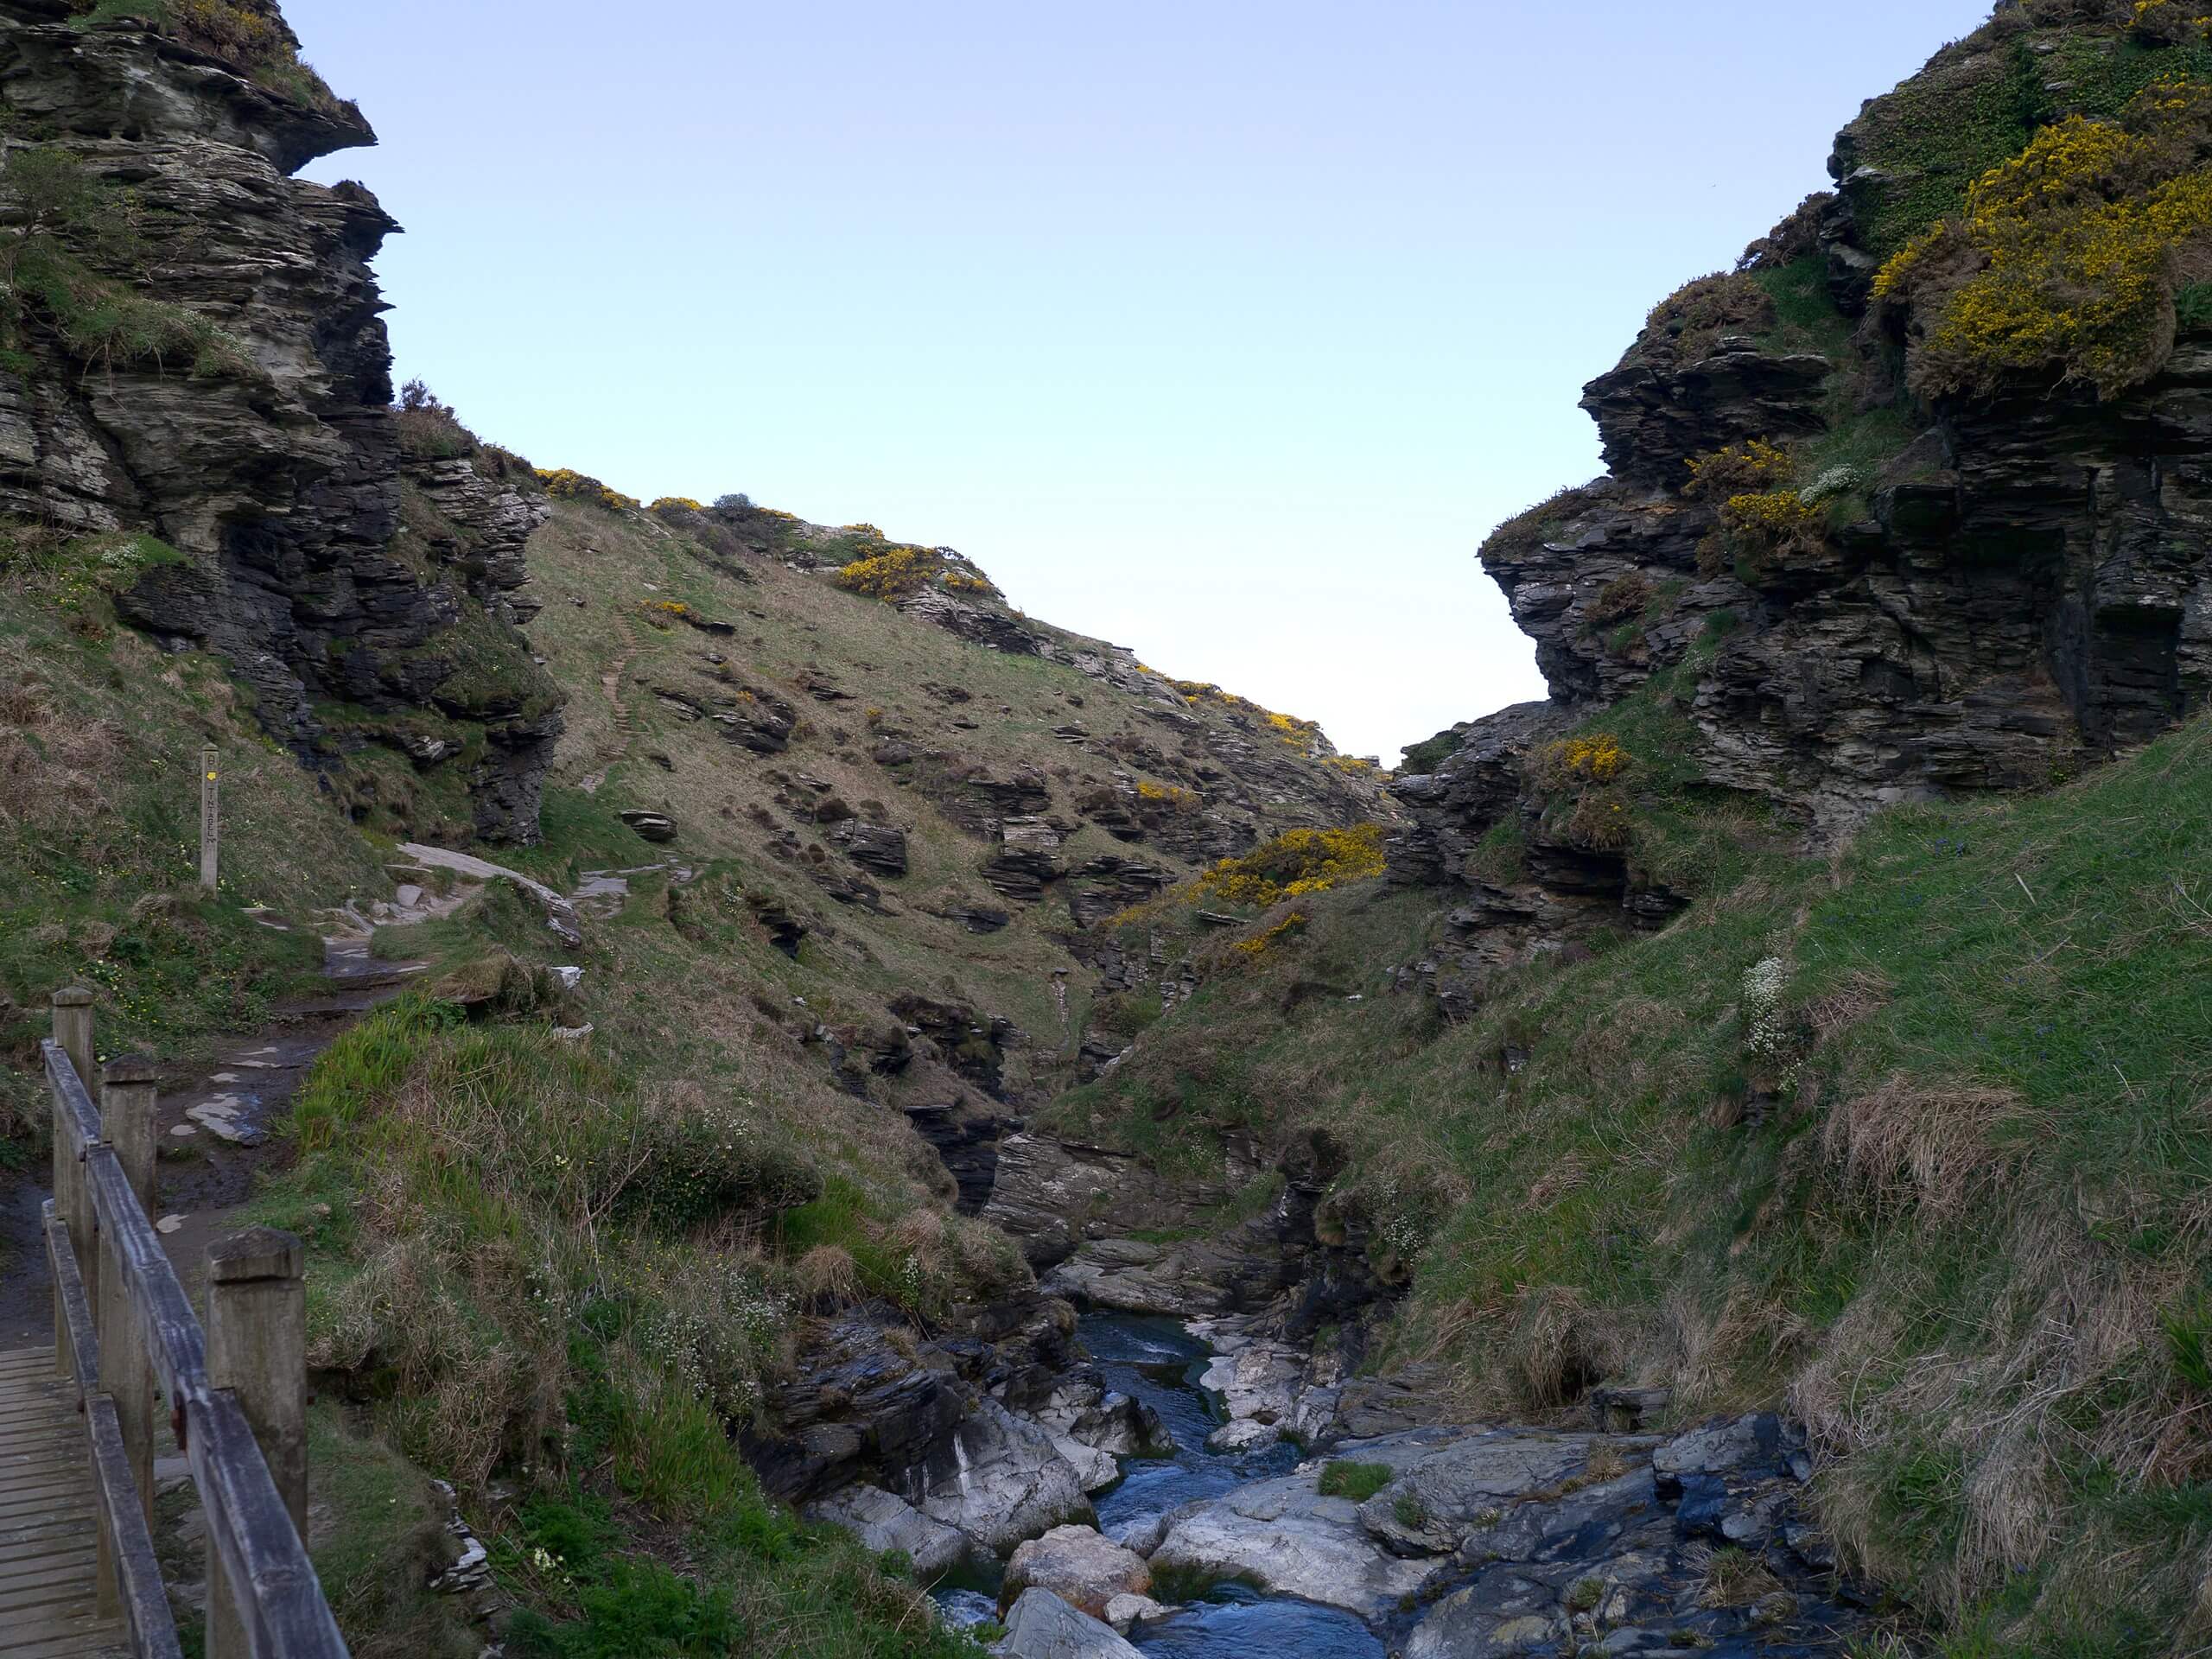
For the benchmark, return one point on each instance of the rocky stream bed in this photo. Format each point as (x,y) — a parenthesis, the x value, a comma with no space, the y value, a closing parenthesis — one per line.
(1246,1509)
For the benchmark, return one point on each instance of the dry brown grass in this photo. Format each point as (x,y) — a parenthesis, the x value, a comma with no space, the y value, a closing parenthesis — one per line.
(1560,1347)
(1926,1147)
(1859,996)
(2011,1406)
(1731,1578)
(50,766)
(1606,1462)
(828,1277)
(1568,1175)
(1723,1356)
(469,1395)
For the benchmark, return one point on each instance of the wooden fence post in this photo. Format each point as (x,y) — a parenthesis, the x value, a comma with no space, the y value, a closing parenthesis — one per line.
(128,1090)
(211,816)
(73,1199)
(256,1347)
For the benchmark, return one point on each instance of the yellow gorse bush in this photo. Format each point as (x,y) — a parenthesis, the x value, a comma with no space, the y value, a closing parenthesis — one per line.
(1739,470)
(2068,257)
(1598,758)
(663,502)
(894,573)
(1292,865)
(1258,943)
(1776,514)
(1165,793)
(2169,22)
(565,484)
(1584,776)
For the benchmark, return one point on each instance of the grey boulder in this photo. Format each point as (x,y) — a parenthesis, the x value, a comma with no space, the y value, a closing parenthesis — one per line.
(1042,1626)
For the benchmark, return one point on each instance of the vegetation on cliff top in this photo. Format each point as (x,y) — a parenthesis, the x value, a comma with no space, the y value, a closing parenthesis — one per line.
(2069,256)
(252,39)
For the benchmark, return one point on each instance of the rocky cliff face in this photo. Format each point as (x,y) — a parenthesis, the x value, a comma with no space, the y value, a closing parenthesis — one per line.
(196,351)
(1870,596)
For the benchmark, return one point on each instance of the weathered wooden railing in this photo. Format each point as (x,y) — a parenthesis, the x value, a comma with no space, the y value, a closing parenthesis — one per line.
(236,1392)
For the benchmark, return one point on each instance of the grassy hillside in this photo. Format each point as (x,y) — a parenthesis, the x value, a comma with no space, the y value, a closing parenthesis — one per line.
(559,1270)
(100,737)
(1913,1140)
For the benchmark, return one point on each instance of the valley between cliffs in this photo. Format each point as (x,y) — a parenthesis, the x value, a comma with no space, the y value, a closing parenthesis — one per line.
(919,1134)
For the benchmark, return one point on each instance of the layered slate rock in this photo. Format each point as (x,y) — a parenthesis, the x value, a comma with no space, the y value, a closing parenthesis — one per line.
(2002,588)
(1497,1541)
(273,463)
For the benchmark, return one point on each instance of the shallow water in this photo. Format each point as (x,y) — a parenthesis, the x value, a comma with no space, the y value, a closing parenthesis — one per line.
(1236,1623)
(1160,1363)
(1157,1361)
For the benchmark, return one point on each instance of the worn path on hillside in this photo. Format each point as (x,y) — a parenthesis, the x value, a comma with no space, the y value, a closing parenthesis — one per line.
(214,1113)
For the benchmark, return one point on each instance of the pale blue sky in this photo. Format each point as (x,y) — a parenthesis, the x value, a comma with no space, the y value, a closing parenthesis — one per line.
(1221,329)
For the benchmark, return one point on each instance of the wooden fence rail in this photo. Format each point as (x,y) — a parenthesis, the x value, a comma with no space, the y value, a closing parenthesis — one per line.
(125,1333)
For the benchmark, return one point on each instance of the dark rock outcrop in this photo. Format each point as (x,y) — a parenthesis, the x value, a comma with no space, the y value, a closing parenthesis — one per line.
(259,440)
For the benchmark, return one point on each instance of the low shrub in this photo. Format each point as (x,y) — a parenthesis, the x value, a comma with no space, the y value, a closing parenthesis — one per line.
(428,428)
(564,484)
(256,43)
(1432,752)
(1577,762)
(1260,944)
(1739,470)
(1688,324)
(2068,258)
(1182,800)
(894,573)
(1624,597)
(697,1158)
(1293,864)
(1530,527)
(2169,22)
(1760,531)
(1584,778)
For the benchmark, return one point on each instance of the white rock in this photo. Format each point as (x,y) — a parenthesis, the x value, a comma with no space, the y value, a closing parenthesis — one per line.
(1123,1612)
(1079,1567)
(1284,1538)
(1042,1626)
(1096,1470)
(1000,1479)
(883,1522)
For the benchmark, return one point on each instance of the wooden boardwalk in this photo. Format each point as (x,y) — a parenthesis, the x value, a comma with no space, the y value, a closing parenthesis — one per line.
(49,1521)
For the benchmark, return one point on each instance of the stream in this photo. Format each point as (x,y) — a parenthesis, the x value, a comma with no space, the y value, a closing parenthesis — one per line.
(1157,1362)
